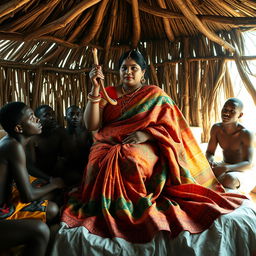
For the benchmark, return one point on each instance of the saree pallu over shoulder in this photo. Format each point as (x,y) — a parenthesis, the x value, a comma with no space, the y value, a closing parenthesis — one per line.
(133,189)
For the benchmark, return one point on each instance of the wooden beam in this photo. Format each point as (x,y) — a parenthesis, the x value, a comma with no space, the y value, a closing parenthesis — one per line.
(63,21)
(96,23)
(136,23)
(239,21)
(156,11)
(31,16)
(59,41)
(77,30)
(186,79)
(164,13)
(166,23)
(112,22)
(201,27)
(11,6)
(245,78)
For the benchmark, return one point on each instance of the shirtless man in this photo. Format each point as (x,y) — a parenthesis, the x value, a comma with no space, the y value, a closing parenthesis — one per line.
(77,146)
(237,145)
(45,150)
(19,199)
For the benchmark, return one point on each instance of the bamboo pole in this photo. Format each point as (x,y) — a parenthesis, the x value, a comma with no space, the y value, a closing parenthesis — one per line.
(247,82)
(167,27)
(96,24)
(11,6)
(112,23)
(63,21)
(136,23)
(36,88)
(164,13)
(200,26)
(30,17)
(78,29)
(186,79)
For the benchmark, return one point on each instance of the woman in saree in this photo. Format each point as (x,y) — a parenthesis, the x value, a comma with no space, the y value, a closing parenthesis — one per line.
(146,173)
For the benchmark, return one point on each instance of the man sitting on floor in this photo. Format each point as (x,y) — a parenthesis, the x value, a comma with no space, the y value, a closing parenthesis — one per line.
(237,144)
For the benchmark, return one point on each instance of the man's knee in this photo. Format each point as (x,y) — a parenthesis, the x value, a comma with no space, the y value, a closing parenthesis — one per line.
(229,181)
(52,211)
(42,231)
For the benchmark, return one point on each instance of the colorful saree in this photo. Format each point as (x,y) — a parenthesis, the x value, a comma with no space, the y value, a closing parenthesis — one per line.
(133,191)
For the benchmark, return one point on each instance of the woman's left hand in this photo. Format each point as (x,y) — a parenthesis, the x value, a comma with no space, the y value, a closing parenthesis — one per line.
(137,138)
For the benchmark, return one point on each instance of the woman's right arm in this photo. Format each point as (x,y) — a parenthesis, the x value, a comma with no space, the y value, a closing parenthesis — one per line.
(92,113)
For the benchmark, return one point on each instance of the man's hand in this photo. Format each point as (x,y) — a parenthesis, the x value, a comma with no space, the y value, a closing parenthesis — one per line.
(137,138)
(58,182)
(219,169)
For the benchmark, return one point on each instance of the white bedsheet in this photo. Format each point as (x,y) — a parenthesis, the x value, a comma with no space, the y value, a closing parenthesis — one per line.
(230,235)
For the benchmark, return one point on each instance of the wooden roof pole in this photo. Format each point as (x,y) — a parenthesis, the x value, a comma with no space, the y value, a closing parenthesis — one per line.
(31,16)
(166,22)
(63,21)
(246,80)
(201,27)
(159,12)
(238,21)
(11,6)
(111,29)
(77,30)
(96,23)
(136,23)
(186,76)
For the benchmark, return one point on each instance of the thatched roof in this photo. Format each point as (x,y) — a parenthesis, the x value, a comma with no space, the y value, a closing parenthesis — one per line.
(59,25)
(45,49)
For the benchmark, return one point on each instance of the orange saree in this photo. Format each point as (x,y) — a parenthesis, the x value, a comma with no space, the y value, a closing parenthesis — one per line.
(133,191)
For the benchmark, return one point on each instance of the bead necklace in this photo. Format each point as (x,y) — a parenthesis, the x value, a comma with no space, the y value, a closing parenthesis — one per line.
(129,91)
(126,101)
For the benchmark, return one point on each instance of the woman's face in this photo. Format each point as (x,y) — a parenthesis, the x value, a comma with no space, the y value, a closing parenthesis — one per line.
(131,73)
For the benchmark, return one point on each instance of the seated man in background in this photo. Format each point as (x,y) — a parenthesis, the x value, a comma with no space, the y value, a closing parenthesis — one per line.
(45,150)
(19,198)
(77,146)
(235,172)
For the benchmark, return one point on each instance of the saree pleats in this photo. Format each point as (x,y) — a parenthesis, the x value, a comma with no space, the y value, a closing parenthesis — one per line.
(133,191)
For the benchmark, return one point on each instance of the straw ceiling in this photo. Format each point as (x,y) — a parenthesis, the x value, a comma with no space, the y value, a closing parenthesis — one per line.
(55,26)
(45,48)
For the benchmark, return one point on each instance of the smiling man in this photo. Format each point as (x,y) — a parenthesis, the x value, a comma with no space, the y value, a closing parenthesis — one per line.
(235,171)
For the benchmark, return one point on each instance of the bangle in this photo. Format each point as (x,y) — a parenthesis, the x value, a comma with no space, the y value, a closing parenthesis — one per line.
(94,99)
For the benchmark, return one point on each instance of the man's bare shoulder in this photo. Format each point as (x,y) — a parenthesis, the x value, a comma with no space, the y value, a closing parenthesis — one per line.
(246,132)
(8,147)
(216,126)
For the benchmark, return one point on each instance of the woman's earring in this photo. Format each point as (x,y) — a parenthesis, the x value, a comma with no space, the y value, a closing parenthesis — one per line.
(143,80)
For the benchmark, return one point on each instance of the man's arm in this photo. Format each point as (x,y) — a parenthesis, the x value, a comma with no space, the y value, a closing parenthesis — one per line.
(17,162)
(212,145)
(30,162)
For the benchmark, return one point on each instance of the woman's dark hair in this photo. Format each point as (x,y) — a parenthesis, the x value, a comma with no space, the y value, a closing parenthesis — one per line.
(10,115)
(136,56)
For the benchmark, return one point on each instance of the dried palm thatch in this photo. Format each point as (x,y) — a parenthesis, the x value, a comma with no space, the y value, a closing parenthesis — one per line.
(45,49)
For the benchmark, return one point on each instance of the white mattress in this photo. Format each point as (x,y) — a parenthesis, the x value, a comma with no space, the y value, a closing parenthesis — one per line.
(231,234)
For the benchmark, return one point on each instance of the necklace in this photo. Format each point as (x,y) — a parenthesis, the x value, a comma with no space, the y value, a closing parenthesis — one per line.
(124,92)
(127,98)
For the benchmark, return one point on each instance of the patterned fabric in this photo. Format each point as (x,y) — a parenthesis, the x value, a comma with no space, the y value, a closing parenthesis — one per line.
(134,190)
(18,210)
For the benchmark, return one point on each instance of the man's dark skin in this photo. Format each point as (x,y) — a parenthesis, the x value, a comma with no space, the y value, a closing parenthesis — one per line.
(236,142)
(13,169)
(45,150)
(77,145)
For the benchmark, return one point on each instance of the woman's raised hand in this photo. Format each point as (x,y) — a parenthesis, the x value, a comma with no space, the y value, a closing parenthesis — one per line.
(95,75)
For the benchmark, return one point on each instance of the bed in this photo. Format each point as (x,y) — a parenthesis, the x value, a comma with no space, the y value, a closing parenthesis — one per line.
(231,234)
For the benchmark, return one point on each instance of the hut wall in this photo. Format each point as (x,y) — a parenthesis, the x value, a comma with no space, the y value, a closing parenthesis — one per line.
(192,71)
